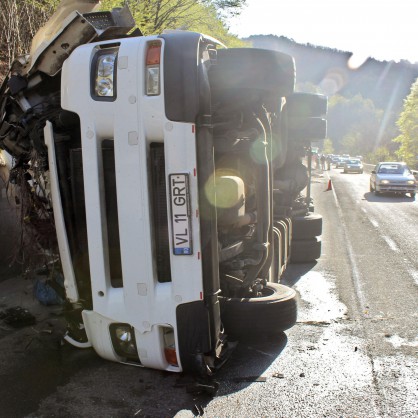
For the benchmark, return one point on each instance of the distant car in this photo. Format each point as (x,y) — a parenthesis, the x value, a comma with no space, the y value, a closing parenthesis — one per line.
(340,163)
(392,177)
(335,159)
(353,165)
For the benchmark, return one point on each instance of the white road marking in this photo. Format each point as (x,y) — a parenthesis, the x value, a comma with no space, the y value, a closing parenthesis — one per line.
(356,275)
(355,271)
(391,244)
(414,274)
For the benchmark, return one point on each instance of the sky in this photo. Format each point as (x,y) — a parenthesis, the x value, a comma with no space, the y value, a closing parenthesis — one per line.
(383,29)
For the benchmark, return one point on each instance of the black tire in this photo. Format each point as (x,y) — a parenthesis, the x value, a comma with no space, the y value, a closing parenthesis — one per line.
(305,227)
(305,251)
(307,105)
(253,69)
(303,129)
(254,318)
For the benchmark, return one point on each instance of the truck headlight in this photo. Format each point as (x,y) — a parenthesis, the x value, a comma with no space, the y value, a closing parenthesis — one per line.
(123,340)
(411,182)
(104,87)
(384,182)
(104,74)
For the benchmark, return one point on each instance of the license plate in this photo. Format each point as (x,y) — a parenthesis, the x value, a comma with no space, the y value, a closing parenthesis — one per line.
(181,226)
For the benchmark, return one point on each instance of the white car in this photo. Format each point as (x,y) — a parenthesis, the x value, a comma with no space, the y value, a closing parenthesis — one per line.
(392,177)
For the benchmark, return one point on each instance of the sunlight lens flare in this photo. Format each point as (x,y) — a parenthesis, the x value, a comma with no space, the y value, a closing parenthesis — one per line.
(356,61)
(334,81)
(224,190)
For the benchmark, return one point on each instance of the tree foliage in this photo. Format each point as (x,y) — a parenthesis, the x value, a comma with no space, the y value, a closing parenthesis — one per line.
(207,16)
(328,147)
(19,21)
(357,127)
(408,126)
(380,154)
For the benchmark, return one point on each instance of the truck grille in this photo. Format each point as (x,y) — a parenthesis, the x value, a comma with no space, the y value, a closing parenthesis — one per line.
(159,212)
(112,219)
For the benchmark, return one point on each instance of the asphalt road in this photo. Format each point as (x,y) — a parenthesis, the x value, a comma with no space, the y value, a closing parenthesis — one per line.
(352,352)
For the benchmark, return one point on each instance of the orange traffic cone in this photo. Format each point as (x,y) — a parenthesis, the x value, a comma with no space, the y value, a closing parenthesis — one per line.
(329,186)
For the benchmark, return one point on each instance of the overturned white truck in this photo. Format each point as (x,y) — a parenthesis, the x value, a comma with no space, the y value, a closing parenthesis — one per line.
(171,168)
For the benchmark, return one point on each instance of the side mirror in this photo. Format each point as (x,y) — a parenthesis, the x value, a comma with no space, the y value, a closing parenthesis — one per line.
(373,171)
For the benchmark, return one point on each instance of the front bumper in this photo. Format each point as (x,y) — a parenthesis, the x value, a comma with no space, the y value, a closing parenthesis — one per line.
(395,188)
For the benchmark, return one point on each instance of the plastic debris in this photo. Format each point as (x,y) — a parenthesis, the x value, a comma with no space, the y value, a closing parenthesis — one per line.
(50,292)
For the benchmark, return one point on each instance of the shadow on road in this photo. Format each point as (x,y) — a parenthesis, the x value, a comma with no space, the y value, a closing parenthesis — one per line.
(388,197)
(246,366)
(46,378)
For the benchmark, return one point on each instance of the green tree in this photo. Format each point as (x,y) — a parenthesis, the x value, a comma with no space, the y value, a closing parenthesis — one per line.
(21,19)
(408,126)
(328,147)
(355,125)
(207,16)
(380,154)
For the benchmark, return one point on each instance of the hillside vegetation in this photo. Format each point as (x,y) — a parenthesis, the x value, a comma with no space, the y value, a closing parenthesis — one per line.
(369,113)
(370,106)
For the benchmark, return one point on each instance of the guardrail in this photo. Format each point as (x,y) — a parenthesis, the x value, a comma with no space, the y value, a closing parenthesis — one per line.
(368,167)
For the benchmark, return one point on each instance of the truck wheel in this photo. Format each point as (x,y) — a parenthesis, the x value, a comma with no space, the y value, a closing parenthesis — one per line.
(302,129)
(307,105)
(252,318)
(305,250)
(252,68)
(305,227)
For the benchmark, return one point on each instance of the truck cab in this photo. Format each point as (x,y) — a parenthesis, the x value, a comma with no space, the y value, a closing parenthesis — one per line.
(171,169)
